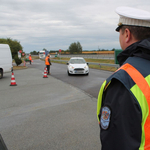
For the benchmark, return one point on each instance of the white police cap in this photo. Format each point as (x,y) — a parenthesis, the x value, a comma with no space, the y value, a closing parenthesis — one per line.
(133,17)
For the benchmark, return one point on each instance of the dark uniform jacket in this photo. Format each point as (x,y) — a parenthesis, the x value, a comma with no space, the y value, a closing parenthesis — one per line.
(124,131)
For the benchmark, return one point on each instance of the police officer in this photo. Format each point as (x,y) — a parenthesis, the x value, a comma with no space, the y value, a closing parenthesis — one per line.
(48,63)
(123,106)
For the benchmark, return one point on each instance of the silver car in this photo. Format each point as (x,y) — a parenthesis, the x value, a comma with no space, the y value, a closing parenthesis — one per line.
(77,65)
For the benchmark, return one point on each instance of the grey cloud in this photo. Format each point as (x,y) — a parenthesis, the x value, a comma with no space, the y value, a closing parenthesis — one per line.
(55,24)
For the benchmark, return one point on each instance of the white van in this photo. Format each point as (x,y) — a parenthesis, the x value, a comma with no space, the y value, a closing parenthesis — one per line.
(5,59)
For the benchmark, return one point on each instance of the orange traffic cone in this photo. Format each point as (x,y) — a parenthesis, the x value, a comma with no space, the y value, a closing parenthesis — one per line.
(45,74)
(13,82)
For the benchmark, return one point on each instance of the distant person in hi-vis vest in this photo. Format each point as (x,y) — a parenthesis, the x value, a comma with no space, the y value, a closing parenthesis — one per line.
(30,58)
(48,63)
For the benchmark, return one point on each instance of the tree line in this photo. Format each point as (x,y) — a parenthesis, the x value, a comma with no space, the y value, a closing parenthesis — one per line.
(74,48)
(15,46)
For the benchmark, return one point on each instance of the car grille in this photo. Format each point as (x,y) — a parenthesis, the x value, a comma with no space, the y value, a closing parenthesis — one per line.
(79,69)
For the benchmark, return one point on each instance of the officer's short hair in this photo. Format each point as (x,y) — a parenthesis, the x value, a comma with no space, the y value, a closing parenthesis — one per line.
(139,33)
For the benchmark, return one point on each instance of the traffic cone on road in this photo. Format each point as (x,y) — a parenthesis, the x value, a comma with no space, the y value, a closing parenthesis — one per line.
(45,74)
(13,82)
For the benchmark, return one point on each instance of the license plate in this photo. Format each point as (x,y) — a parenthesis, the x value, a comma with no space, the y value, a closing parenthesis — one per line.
(78,71)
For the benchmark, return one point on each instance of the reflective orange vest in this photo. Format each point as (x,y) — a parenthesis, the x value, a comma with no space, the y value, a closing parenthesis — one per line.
(141,91)
(144,87)
(30,58)
(46,61)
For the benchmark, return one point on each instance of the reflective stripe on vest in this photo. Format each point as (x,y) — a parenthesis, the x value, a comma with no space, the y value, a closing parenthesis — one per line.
(141,90)
(99,101)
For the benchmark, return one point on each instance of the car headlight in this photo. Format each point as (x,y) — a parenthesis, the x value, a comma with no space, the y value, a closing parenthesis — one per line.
(71,67)
(86,67)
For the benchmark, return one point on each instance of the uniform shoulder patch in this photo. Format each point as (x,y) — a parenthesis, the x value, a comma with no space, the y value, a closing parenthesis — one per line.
(105,117)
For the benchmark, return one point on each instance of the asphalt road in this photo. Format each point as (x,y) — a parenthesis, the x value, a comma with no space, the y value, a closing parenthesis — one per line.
(54,113)
(90,84)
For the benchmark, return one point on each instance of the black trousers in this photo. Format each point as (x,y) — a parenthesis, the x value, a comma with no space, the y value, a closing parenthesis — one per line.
(48,68)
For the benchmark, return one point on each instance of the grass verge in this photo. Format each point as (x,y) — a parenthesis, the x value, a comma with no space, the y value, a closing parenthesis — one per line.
(19,67)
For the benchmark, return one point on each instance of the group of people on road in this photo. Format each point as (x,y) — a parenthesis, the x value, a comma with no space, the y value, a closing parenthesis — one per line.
(47,62)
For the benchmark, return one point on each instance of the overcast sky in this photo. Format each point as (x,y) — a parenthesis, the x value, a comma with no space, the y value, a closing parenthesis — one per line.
(55,24)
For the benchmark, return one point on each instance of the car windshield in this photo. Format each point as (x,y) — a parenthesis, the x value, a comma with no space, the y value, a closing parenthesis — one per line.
(77,61)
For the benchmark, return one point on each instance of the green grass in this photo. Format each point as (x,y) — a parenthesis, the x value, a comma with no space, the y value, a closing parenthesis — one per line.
(100,61)
(107,68)
(109,61)
(35,57)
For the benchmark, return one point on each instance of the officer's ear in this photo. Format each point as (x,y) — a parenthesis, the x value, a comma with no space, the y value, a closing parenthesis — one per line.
(127,35)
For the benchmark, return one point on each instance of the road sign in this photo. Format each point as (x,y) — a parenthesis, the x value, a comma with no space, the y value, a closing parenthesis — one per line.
(60,50)
(20,51)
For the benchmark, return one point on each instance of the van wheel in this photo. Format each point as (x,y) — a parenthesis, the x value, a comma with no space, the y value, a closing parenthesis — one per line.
(1,74)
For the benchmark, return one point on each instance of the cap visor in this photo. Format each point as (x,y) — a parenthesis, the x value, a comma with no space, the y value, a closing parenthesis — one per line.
(118,28)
